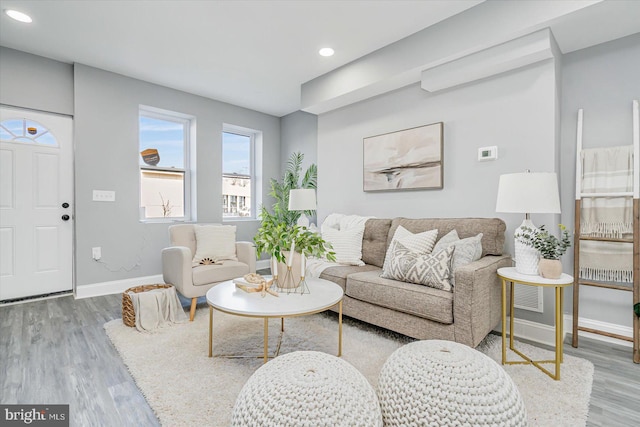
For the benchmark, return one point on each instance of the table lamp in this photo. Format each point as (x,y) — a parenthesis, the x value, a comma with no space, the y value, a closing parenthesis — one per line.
(302,199)
(527,193)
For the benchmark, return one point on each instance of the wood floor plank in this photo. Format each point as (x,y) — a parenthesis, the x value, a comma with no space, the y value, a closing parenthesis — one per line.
(56,351)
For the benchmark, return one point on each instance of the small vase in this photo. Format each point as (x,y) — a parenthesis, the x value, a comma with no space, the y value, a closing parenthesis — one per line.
(292,280)
(550,268)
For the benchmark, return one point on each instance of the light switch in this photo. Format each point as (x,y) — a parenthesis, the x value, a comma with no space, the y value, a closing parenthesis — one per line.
(104,196)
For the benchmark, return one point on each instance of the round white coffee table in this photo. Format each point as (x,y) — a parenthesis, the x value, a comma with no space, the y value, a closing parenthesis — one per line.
(322,295)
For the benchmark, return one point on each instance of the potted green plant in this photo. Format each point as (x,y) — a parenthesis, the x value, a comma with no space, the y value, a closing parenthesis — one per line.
(278,232)
(550,247)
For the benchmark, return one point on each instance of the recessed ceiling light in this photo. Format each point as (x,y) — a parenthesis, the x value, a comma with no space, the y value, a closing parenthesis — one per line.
(326,51)
(18,16)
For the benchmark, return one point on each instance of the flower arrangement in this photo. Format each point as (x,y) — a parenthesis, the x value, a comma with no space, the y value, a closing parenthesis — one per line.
(549,246)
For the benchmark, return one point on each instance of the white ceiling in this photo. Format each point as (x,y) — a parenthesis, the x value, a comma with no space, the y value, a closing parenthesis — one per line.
(254,54)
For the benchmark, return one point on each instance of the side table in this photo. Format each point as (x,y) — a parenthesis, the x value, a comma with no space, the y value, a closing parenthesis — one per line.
(509,274)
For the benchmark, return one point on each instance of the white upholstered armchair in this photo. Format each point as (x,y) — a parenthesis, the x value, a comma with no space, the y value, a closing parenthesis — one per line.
(195,268)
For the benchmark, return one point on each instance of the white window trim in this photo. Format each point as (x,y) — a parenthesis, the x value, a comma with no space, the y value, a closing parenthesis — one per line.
(188,125)
(253,135)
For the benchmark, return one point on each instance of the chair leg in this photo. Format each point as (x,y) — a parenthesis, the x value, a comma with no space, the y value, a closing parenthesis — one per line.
(192,314)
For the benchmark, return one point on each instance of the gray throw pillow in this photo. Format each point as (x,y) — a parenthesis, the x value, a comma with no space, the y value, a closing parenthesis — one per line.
(466,250)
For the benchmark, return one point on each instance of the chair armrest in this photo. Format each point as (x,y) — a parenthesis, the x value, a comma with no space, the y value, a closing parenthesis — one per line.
(477,298)
(246,252)
(176,267)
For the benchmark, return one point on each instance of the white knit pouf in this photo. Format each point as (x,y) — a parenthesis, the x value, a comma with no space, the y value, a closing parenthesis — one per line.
(307,388)
(443,383)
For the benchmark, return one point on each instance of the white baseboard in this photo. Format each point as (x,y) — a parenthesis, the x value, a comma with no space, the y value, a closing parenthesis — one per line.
(115,287)
(602,326)
(546,334)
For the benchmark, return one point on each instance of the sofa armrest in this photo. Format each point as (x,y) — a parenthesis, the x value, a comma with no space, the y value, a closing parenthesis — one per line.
(477,298)
(246,252)
(176,267)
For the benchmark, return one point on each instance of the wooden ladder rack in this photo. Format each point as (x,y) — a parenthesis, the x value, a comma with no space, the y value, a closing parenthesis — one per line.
(632,287)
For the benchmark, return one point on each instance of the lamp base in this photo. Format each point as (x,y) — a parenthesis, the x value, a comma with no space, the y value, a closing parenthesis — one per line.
(303,221)
(526,257)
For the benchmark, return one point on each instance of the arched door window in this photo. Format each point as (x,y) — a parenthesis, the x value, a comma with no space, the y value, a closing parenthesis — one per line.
(26,131)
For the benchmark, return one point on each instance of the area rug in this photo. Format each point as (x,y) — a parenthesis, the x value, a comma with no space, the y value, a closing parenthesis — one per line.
(185,387)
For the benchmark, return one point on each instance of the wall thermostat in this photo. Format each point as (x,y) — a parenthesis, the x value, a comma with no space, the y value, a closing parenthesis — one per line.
(488,153)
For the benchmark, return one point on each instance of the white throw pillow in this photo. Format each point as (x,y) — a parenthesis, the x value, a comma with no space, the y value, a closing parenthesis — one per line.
(332,221)
(419,242)
(214,243)
(347,244)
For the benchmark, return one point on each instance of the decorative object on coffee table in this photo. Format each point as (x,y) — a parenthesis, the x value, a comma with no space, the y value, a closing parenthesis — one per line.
(307,388)
(527,193)
(436,383)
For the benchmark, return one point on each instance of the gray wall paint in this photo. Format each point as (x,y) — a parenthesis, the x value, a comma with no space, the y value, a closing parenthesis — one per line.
(603,80)
(34,82)
(515,111)
(299,132)
(106,137)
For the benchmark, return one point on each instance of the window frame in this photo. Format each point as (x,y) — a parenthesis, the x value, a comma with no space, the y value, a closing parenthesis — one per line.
(187,123)
(253,136)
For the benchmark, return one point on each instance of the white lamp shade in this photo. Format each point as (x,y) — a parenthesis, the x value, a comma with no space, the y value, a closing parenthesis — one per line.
(303,199)
(528,193)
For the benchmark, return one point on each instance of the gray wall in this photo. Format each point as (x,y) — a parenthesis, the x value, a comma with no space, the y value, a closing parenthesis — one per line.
(106,157)
(603,80)
(34,82)
(105,109)
(515,111)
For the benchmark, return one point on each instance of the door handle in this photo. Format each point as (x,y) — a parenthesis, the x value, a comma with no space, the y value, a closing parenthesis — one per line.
(65,217)
(65,205)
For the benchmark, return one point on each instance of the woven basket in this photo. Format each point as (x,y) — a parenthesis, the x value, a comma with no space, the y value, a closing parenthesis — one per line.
(128,313)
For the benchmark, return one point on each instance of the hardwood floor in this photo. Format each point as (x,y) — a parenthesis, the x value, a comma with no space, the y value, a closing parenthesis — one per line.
(56,351)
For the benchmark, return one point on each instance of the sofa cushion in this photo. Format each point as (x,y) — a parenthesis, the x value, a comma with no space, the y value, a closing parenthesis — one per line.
(338,274)
(207,274)
(418,300)
(466,250)
(415,242)
(374,241)
(492,230)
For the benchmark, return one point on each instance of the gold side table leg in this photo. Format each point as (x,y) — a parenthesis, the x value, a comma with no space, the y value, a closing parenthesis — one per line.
(210,331)
(558,332)
(512,314)
(561,325)
(504,321)
(266,339)
(340,328)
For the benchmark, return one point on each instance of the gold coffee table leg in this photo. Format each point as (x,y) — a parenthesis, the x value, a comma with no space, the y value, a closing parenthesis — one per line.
(210,331)
(504,321)
(266,339)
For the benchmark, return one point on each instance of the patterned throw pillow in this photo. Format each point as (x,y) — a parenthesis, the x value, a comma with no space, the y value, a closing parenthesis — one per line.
(418,242)
(466,250)
(432,270)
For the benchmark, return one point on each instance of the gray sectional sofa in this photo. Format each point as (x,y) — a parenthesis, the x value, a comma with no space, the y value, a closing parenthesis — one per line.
(465,315)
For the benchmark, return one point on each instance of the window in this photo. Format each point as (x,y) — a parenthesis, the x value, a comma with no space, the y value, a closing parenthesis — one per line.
(27,131)
(164,165)
(238,172)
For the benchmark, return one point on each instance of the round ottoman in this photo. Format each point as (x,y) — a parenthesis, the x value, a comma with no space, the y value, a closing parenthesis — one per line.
(307,388)
(443,383)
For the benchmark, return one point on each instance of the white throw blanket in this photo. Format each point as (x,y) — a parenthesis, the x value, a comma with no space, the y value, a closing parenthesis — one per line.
(157,308)
(606,170)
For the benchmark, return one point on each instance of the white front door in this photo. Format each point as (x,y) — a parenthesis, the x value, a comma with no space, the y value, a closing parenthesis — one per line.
(36,203)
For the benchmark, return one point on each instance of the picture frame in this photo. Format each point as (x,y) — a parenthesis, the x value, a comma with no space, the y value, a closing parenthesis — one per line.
(410,159)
